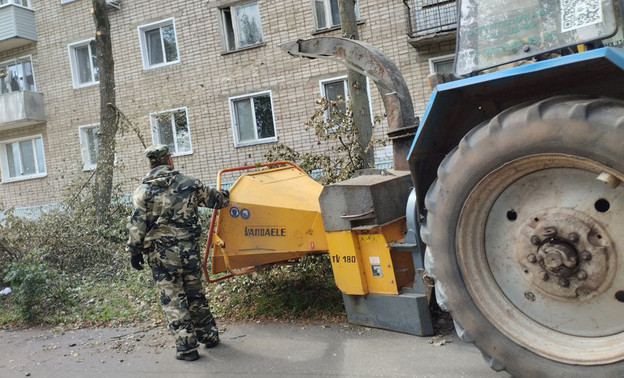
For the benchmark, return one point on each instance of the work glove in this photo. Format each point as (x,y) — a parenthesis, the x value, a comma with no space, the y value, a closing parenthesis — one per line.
(137,261)
(222,199)
(226,197)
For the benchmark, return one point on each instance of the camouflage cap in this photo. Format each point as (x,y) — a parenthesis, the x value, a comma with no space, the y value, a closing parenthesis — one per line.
(157,152)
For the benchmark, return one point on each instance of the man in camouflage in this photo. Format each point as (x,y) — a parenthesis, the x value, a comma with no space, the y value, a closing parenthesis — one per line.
(164,226)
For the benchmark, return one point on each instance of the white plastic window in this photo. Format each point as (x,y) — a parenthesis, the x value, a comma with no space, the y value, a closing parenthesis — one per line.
(327,14)
(24,3)
(171,127)
(159,45)
(89,145)
(84,66)
(442,64)
(17,75)
(22,159)
(252,119)
(241,26)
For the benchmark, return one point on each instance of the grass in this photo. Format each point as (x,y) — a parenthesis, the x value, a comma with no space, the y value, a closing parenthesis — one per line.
(302,291)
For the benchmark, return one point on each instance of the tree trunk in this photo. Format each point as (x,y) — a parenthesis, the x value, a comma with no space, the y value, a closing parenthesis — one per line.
(357,87)
(103,188)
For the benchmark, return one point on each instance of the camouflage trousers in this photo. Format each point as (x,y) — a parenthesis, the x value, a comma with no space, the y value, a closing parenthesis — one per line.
(177,275)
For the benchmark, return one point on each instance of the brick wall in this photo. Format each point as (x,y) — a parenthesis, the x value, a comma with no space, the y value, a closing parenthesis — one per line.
(203,81)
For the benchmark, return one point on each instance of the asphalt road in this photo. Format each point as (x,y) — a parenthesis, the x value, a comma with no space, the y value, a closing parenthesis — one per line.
(246,350)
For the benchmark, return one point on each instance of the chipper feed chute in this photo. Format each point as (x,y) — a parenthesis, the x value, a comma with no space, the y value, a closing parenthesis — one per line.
(273,216)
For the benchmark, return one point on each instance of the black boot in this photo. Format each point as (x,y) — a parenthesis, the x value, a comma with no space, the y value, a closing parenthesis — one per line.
(192,356)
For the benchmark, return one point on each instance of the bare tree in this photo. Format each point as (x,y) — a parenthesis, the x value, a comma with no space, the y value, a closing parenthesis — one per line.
(357,86)
(103,187)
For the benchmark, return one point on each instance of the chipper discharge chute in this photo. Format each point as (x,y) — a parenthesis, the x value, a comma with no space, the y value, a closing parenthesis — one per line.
(274,216)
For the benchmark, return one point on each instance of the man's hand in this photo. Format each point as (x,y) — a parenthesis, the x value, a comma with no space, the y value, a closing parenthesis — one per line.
(222,199)
(219,199)
(137,261)
(225,197)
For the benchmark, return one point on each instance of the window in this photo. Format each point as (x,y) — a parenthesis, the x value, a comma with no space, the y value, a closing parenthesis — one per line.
(241,26)
(82,56)
(171,128)
(67,1)
(24,3)
(17,75)
(337,88)
(252,119)
(327,14)
(89,145)
(159,46)
(22,158)
(442,64)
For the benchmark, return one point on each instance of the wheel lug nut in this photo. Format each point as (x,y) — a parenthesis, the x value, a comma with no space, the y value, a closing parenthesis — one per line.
(586,256)
(543,276)
(535,240)
(550,232)
(532,258)
(529,295)
(581,275)
(564,282)
(573,237)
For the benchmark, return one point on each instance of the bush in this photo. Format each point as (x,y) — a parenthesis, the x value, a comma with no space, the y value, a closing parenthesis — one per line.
(302,290)
(341,155)
(68,238)
(37,290)
(53,262)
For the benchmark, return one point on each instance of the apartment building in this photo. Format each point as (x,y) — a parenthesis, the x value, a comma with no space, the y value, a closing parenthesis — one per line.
(205,77)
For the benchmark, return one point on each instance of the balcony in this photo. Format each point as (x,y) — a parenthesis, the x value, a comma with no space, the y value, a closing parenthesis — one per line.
(21,108)
(431,21)
(17,26)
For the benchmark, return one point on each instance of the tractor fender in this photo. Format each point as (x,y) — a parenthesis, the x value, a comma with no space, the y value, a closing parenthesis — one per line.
(457,107)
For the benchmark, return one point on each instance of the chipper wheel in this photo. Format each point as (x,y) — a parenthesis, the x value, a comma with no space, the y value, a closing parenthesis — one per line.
(525,238)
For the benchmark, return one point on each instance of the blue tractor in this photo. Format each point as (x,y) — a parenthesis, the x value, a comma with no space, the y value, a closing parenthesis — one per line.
(518,170)
(519,176)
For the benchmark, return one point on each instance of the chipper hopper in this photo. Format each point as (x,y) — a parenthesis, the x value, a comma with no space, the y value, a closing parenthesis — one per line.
(273,216)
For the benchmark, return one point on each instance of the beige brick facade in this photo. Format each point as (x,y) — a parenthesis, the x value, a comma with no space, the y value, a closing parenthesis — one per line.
(202,82)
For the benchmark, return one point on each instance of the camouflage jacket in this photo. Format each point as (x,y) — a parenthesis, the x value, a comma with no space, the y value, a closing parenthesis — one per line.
(165,208)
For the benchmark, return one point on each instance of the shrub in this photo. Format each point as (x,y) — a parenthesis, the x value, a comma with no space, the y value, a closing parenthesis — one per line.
(302,290)
(37,290)
(341,155)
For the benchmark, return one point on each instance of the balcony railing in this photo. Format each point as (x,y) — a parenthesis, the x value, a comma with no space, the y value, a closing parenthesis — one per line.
(17,26)
(430,17)
(21,108)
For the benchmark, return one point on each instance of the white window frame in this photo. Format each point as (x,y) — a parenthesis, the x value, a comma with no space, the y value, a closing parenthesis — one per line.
(74,63)
(438,59)
(143,43)
(67,1)
(344,78)
(328,18)
(19,3)
(87,165)
(229,21)
(21,59)
(237,142)
(4,163)
(154,125)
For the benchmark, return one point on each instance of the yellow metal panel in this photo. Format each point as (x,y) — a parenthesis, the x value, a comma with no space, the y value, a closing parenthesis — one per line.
(380,262)
(346,262)
(377,261)
(274,215)
(284,187)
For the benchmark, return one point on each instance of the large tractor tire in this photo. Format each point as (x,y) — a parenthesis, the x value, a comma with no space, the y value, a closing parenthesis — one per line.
(525,238)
